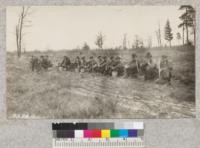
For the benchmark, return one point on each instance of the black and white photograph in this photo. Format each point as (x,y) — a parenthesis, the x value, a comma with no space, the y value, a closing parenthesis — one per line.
(100,62)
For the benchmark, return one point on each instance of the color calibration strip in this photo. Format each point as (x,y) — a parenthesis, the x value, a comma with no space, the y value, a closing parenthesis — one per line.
(105,135)
(99,133)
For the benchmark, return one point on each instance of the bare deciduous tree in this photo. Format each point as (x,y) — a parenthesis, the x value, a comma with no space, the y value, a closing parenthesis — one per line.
(138,42)
(100,40)
(124,42)
(22,22)
(158,36)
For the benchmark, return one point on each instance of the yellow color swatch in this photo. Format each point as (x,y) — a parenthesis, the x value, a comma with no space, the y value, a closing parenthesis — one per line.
(105,133)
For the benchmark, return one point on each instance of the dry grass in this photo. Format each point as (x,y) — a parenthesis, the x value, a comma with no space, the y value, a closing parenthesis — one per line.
(56,94)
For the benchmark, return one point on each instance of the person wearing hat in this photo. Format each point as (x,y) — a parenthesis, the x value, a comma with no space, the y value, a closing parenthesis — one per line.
(77,63)
(103,64)
(151,71)
(48,62)
(165,70)
(41,62)
(109,66)
(99,61)
(164,61)
(133,67)
(148,58)
(65,63)
(118,67)
(33,63)
(91,64)
(83,64)
(45,62)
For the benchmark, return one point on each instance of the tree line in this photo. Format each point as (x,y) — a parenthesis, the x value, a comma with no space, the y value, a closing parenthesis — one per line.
(187,24)
(187,19)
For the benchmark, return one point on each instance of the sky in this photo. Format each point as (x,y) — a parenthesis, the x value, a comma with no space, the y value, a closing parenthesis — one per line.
(68,27)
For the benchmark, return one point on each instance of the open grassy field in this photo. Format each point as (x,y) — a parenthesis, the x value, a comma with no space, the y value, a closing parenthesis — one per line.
(64,94)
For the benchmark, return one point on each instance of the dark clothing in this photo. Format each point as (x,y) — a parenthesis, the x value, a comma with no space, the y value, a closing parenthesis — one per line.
(91,65)
(103,66)
(77,63)
(150,71)
(34,63)
(83,63)
(66,63)
(166,74)
(45,63)
(110,66)
(165,71)
(132,69)
(98,67)
(118,67)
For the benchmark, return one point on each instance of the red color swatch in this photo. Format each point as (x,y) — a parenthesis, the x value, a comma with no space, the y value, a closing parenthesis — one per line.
(96,133)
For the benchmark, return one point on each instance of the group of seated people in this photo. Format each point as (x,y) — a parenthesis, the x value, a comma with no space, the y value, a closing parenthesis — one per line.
(113,66)
(103,65)
(41,63)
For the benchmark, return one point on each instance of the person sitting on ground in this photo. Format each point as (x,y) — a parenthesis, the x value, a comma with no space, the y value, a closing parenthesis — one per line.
(133,67)
(110,65)
(83,64)
(33,62)
(118,67)
(42,62)
(103,65)
(65,64)
(142,65)
(46,63)
(106,71)
(99,61)
(91,64)
(165,70)
(151,72)
(77,63)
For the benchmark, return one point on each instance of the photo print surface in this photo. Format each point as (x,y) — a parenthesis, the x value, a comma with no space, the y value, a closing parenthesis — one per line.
(100,61)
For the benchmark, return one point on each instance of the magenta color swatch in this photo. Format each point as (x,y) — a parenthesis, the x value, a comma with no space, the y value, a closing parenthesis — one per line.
(87,133)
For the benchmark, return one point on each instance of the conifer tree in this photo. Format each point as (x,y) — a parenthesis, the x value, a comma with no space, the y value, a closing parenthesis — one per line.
(168,33)
(187,21)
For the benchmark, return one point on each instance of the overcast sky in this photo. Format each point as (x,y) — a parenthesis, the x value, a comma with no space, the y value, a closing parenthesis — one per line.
(67,27)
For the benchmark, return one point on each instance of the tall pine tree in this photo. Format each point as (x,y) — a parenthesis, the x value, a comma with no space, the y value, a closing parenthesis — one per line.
(168,33)
(187,21)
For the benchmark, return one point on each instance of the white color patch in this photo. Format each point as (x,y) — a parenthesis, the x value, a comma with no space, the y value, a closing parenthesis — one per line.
(78,133)
(138,125)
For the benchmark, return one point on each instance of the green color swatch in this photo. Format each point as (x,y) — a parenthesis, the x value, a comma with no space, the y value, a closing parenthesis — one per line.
(114,133)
